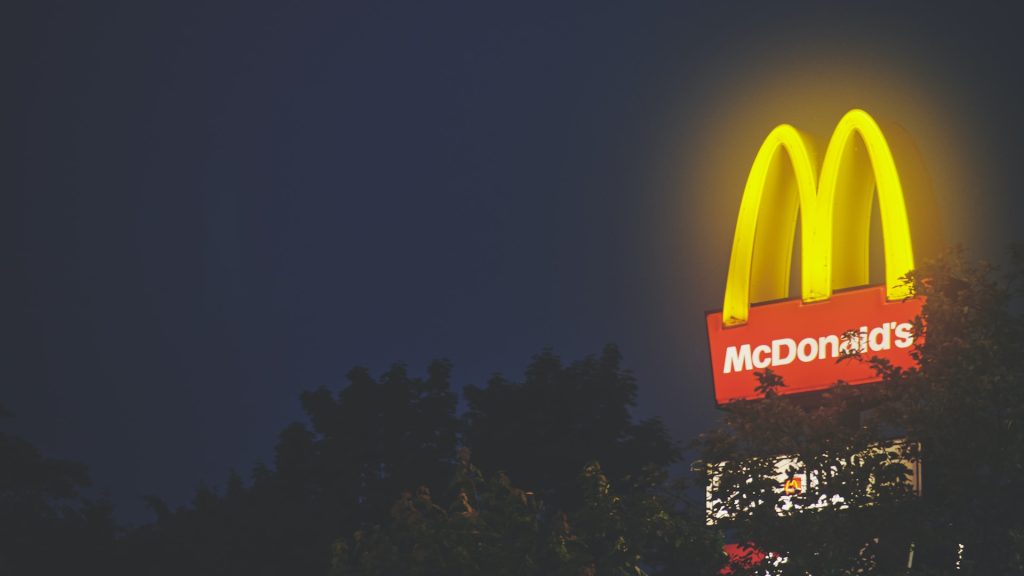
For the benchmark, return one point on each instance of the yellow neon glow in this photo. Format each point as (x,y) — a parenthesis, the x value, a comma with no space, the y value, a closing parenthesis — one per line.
(836,217)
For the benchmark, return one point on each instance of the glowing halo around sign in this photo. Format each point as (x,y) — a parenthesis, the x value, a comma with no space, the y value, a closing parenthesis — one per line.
(835,223)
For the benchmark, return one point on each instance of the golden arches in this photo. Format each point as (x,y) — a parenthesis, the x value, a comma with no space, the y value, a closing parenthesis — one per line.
(836,209)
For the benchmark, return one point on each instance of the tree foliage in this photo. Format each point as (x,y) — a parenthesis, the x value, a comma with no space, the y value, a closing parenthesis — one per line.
(47,523)
(376,439)
(543,430)
(363,445)
(489,526)
(966,404)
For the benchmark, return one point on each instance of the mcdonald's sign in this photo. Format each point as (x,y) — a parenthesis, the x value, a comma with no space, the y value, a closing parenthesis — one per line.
(838,313)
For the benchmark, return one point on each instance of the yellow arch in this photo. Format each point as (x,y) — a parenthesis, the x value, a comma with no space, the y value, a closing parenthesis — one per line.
(836,209)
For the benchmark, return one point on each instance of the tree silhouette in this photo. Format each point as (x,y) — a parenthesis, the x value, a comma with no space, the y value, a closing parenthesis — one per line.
(541,432)
(47,524)
(362,446)
(490,526)
(375,439)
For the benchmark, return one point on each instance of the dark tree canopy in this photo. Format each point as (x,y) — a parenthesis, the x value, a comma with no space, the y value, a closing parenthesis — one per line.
(966,405)
(542,431)
(47,524)
(490,526)
(362,447)
(378,438)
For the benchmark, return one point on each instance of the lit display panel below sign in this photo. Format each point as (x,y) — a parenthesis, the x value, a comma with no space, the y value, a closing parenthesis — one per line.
(796,488)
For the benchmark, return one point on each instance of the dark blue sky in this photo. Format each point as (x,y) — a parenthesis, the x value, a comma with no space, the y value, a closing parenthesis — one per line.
(206,208)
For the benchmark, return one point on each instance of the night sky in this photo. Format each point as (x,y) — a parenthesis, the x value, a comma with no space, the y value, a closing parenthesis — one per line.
(206,208)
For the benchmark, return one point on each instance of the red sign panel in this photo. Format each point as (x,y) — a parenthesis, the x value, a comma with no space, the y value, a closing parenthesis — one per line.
(740,557)
(802,342)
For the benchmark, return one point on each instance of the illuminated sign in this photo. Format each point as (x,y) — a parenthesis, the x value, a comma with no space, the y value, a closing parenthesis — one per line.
(790,486)
(793,485)
(743,558)
(802,339)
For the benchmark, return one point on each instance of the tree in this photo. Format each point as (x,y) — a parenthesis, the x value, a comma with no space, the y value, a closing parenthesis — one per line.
(961,410)
(47,524)
(489,526)
(362,446)
(376,439)
(544,430)
(966,405)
